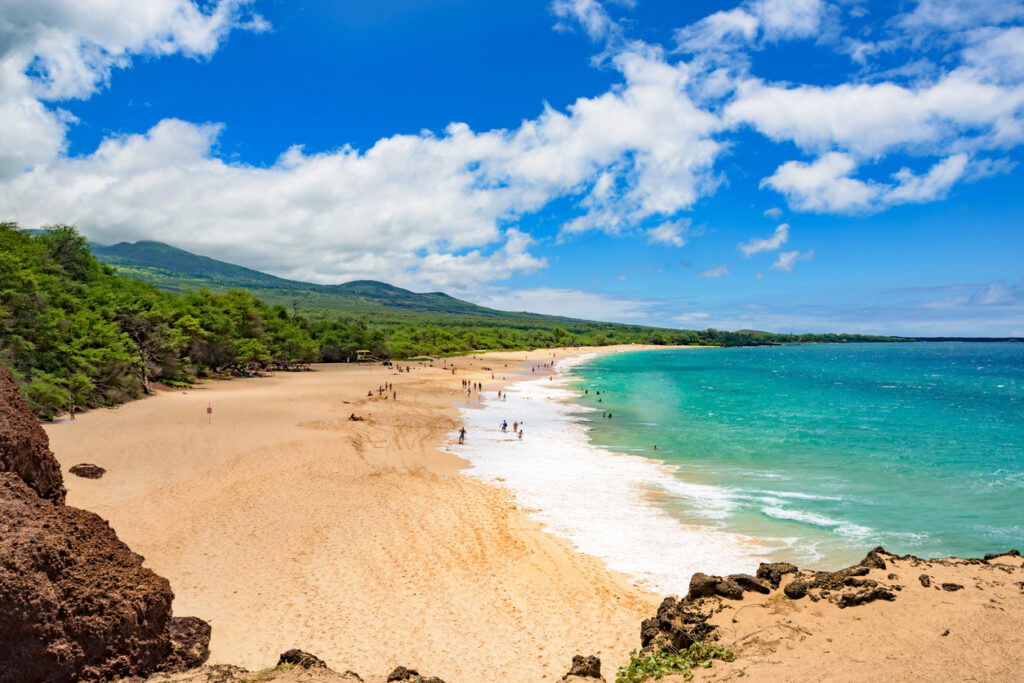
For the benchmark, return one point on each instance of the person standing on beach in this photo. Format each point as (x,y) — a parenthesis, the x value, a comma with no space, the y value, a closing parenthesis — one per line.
(462,435)
(515,426)
(520,434)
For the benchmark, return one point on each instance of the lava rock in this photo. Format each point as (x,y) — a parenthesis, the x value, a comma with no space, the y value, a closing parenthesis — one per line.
(87,471)
(190,643)
(24,446)
(772,572)
(749,583)
(796,589)
(303,659)
(951,587)
(925,580)
(702,586)
(585,667)
(402,675)
(1011,553)
(865,596)
(75,603)
(874,559)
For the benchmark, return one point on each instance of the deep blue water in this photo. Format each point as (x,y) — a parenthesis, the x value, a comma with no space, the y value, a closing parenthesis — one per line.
(826,450)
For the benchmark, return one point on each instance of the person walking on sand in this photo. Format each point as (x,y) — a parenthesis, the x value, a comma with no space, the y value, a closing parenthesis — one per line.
(515,426)
(71,413)
(462,435)
(520,434)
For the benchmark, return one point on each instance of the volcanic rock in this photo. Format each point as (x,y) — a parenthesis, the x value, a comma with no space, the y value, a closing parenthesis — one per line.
(24,446)
(403,675)
(772,572)
(300,658)
(75,602)
(87,471)
(584,667)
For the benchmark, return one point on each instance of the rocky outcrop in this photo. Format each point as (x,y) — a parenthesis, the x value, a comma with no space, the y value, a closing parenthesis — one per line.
(301,659)
(24,446)
(87,471)
(584,668)
(76,604)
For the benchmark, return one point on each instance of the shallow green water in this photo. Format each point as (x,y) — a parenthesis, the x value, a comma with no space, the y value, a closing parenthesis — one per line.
(826,450)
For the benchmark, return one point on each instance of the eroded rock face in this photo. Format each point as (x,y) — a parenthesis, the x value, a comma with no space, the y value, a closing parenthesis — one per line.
(24,446)
(75,602)
(404,675)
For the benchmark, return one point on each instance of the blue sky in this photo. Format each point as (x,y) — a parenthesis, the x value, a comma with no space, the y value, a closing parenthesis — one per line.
(796,165)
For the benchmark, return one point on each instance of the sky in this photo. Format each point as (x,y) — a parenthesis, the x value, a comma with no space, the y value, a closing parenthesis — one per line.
(783,165)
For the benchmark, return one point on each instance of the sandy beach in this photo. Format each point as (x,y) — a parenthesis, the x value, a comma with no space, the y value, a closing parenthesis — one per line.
(284,524)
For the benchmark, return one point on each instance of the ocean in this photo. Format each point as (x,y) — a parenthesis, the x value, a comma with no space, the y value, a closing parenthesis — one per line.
(812,454)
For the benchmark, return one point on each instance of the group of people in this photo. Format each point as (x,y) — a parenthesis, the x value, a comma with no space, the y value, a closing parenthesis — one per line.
(517,428)
(383,391)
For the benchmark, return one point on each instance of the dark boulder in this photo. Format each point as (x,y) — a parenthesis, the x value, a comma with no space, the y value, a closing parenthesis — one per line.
(190,643)
(1010,553)
(24,446)
(702,586)
(404,675)
(865,596)
(796,589)
(749,583)
(87,471)
(585,667)
(951,587)
(925,580)
(301,659)
(874,559)
(772,572)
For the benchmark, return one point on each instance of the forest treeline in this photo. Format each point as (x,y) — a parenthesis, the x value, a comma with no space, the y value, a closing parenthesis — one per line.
(74,332)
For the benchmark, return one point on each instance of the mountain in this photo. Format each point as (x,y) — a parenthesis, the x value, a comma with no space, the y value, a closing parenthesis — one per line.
(177,270)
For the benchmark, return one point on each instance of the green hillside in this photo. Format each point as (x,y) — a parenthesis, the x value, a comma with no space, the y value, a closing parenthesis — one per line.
(177,270)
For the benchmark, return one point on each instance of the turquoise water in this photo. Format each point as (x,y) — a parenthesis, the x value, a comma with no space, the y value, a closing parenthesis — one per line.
(824,451)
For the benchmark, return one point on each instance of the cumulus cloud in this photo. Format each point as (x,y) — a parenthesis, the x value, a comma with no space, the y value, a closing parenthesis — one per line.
(773,243)
(52,50)
(826,185)
(767,20)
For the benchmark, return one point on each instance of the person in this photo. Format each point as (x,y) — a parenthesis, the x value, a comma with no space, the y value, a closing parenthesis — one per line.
(515,426)
(462,435)
(71,413)
(520,434)
(504,425)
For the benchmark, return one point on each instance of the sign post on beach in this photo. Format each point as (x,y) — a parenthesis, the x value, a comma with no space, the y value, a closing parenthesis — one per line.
(209,413)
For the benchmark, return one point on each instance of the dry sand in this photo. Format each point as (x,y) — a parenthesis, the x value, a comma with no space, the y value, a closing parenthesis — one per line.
(284,524)
(972,633)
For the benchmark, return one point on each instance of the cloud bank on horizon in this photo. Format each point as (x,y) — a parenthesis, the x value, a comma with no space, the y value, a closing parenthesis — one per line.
(930,99)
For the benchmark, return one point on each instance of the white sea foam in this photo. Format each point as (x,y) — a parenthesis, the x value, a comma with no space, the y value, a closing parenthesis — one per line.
(598,500)
(841,527)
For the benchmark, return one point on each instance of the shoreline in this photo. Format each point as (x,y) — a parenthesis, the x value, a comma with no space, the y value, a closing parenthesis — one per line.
(600,501)
(284,525)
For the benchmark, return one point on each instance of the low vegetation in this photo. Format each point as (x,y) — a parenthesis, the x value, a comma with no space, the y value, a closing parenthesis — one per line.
(664,663)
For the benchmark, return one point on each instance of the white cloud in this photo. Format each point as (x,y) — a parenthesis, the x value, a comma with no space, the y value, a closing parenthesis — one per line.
(826,185)
(560,301)
(695,318)
(716,271)
(52,50)
(591,16)
(870,120)
(932,185)
(787,260)
(672,233)
(823,185)
(773,243)
(774,212)
(726,31)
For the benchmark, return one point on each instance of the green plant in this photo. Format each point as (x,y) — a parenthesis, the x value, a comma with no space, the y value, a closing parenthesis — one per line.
(664,662)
